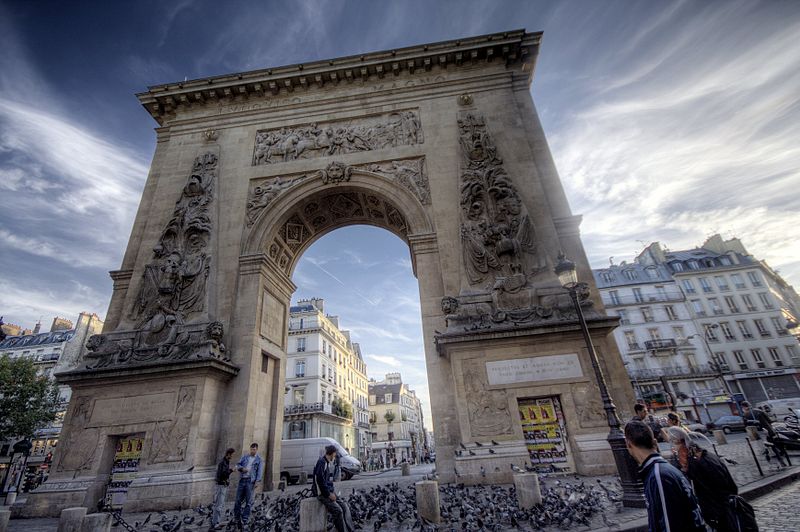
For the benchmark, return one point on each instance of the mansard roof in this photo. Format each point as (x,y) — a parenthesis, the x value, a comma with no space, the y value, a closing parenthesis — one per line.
(29,340)
(516,47)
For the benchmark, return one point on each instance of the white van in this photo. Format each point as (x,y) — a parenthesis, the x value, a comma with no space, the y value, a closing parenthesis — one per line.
(300,456)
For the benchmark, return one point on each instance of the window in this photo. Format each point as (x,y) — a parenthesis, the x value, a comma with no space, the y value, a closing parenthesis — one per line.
(744,330)
(679,333)
(705,285)
(725,261)
(325,347)
(299,396)
(732,306)
(630,274)
(623,315)
(740,359)
(715,308)
(693,265)
(748,302)
(776,357)
(647,314)
(670,310)
(777,324)
(755,279)
(757,357)
(652,272)
(655,334)
(662,293)
(791,351)
(722,284)
(301,345)
(387,398)
(711,333)
(300,368)
(726,330)
(720,359)
(607,277)
(738,282)
(697,305)
(630,338)
(761,328)
(637,295)
(614,295)
(765,299)
(688,286)
(676,266)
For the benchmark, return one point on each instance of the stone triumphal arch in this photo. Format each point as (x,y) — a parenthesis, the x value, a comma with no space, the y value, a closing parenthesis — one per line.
(441,145)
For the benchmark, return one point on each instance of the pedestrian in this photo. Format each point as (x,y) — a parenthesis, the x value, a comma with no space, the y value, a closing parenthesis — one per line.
(671,504)
(322,488)
(250,468)
(224,471)
(640,413)
(759,418)
(713,483)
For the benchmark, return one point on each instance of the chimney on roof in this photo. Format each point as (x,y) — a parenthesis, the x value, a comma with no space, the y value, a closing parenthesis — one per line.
(60,324)
(318,303)
(37,327)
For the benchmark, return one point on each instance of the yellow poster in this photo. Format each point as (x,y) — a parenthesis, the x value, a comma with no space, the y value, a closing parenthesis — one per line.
(543,429)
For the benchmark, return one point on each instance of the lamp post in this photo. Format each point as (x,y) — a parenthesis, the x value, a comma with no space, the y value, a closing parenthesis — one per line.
(633,491)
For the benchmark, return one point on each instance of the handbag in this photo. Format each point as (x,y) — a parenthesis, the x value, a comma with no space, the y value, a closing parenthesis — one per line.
(741,516)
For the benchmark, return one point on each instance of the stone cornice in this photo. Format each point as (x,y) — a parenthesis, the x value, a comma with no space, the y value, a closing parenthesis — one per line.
(514,48)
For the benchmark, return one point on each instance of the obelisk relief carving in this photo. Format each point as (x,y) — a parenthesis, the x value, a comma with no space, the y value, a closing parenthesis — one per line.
(170,310)
(501,256)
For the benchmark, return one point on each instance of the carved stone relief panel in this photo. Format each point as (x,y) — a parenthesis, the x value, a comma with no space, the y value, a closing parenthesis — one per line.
(487,409)
(333,209)
(170,438)
(77,451)
(273,319)
(409,173)
(400,128)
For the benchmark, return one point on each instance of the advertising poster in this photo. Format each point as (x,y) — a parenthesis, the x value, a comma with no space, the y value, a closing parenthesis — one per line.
(123,471)
(543,429)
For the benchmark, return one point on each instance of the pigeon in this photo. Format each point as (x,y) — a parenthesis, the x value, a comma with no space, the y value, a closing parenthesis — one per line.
(463,446)
(516,469)
(495,443)
(479,444)
(491,451)
(471,452)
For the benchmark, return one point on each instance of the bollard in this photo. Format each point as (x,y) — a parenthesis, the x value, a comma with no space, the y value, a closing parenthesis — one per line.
(752,433)
(97,523)
(755,458)
(11,498)
(5,516)
(720,437)
(71,519)
(406,469)
(302,478)
(528,492)
(313,516)
(428,500)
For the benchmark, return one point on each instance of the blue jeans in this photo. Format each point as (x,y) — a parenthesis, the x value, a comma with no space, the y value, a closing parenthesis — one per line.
(219,503)
(244,495)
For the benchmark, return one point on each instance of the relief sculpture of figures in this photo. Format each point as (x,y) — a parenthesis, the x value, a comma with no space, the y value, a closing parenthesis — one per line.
(315,140)
(174,284)
(78,451)
(170,438)
(487,409)
(497,234)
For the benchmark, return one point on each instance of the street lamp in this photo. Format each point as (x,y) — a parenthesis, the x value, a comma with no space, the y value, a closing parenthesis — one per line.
(633,491)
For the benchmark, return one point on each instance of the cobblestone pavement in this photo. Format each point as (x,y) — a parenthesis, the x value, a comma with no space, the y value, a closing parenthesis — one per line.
(777,511)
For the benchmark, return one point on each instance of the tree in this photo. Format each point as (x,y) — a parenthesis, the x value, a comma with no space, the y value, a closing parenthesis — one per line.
(389,416)
(28,401)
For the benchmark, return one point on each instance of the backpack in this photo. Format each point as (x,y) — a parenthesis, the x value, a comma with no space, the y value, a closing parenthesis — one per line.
(741,516)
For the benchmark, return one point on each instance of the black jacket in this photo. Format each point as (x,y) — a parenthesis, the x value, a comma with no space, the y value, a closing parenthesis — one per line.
(671,504)
(223,472)
(761,419)
(713,485)
(322,485)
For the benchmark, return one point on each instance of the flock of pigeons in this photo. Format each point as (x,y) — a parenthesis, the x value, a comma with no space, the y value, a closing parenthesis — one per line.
(566,502)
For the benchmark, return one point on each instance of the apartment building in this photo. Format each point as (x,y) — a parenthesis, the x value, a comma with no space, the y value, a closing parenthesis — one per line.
(326,380)
(398,430)
(745,311)
(663,351)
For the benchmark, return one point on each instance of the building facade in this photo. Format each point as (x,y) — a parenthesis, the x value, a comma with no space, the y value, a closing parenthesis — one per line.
(666,357)
(745,311)
(52,352)
(398,431)
(326,381)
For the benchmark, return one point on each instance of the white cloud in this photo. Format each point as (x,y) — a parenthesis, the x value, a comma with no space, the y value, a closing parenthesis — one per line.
(386,360)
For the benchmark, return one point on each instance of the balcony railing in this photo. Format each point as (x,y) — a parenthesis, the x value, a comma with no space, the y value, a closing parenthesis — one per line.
(663,343)
(687,371)
(611,301)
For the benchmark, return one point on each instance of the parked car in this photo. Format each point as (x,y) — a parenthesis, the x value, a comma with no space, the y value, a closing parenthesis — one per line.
(300,456)
(697,427)
(728,424)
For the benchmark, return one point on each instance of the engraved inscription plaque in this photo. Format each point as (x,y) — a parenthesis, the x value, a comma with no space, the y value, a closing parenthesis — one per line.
(546,368)
(139,409)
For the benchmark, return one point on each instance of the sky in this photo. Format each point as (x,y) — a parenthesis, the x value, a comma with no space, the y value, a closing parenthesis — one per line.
(668,121)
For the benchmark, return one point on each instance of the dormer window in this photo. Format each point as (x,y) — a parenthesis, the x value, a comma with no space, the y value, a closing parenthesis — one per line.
(630,274)
(677,266)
